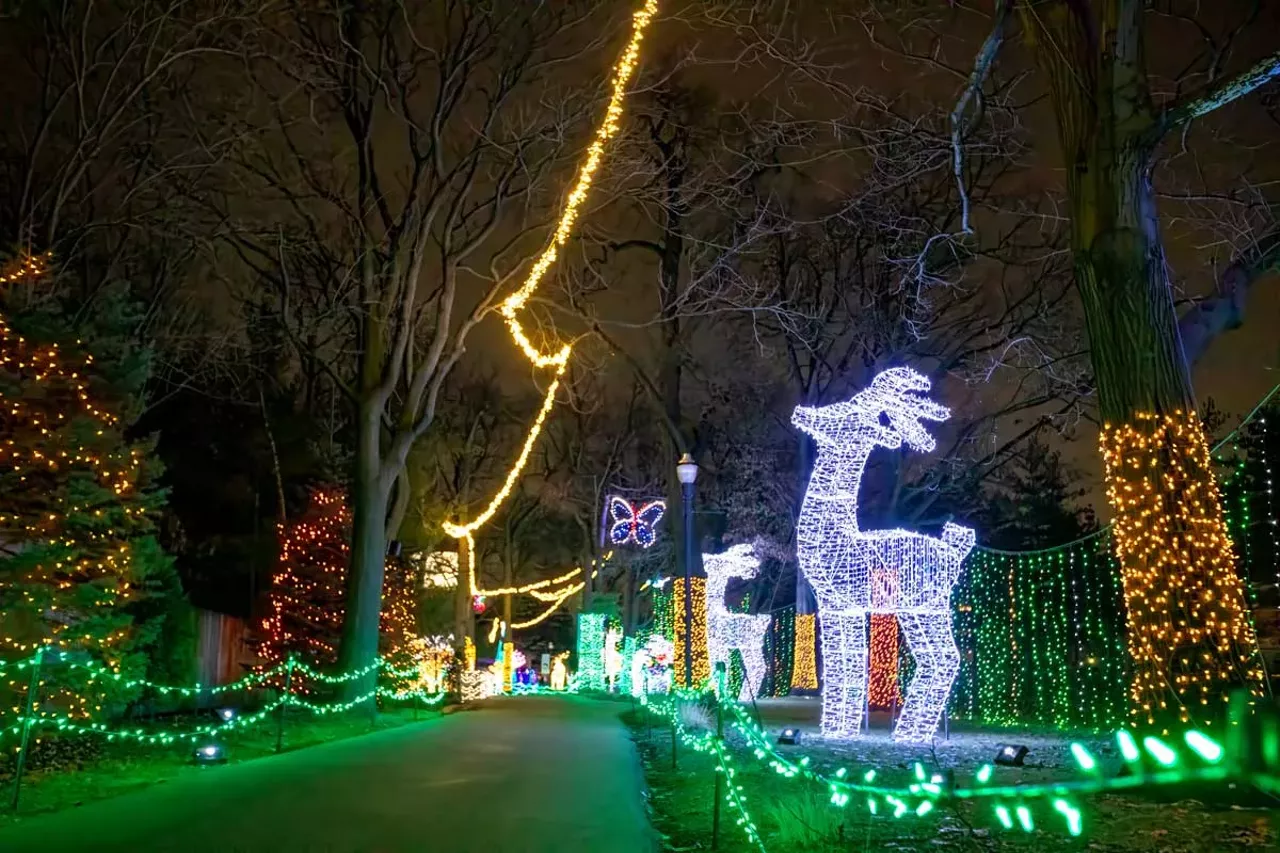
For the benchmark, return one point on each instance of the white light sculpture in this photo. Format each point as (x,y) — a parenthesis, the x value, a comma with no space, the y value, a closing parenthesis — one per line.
(661,654)
(434,656)
(613,658)
(639,672)
(476,684)
(591,651)
(915,572)
(559,673)
(727,630)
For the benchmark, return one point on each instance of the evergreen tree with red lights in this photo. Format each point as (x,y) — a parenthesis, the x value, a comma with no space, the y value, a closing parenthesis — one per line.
(307,599)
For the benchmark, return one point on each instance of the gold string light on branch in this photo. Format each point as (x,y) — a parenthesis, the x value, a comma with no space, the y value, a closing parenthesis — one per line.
(510,308)
(608,128)
(1190,635)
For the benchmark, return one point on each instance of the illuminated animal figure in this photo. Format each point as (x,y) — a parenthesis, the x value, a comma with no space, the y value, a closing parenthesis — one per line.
(726,630)
(854,572)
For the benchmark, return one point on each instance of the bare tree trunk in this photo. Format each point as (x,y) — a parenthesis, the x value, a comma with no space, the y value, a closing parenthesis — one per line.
(1189,631)
(463,616)
(371,495)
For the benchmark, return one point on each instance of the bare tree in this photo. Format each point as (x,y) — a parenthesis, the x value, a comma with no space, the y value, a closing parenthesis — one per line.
(687,197)
(90,149)
(1114,113)
(398,159)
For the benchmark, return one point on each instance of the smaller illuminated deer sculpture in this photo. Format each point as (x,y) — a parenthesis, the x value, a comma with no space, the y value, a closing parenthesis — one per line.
(727,631)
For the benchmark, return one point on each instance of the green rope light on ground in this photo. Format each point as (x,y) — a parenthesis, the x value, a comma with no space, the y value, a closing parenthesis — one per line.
(933,790)
(101,671)
(62,725)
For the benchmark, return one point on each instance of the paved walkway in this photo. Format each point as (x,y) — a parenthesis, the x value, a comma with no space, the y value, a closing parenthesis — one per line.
(526,775)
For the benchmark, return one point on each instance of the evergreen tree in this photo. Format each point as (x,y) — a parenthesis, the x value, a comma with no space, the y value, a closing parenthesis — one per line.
(308,590)
(81,570)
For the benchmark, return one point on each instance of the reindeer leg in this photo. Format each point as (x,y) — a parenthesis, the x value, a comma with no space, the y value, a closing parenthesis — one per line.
(753,662)
(937,663)
(844,671)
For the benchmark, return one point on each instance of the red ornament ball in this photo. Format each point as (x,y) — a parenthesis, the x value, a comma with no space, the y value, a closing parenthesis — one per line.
(477,604)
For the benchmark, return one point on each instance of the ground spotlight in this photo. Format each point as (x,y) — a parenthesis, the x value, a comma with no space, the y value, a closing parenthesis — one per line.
(1010,754)
(210,754)
(789,736)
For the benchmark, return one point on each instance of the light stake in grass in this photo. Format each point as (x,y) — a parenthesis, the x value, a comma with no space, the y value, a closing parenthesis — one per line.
(1083,758)
(1203,746)
(1128,747)
(1160,751)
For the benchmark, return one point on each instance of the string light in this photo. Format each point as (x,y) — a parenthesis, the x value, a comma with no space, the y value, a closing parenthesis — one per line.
(921,796)
(883,683)
(1190,637)
(727,630)
(591,633)
(614,661)
(608,128)
(439,569)
(27,268)
(433,656)
(559,672)
(855,572)
(307,598)
(780,650)
(65,724)
(1043,639)
(508,665)
(75,508)
(515,303)
(804,670)
(552,608)
(701,665)
(475,685)
(635,522)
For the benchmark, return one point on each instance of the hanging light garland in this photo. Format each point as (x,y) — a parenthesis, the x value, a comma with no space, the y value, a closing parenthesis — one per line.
(511,307)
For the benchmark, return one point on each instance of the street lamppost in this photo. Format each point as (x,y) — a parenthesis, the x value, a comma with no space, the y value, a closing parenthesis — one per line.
(687,472)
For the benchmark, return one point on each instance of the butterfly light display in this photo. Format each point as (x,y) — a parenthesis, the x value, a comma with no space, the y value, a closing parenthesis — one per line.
(633,522)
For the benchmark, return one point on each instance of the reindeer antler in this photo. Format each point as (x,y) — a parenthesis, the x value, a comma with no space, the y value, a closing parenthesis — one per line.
(898,392)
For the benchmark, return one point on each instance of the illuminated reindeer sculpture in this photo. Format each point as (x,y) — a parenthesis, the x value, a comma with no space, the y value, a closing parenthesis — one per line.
(854,572)
(727,631)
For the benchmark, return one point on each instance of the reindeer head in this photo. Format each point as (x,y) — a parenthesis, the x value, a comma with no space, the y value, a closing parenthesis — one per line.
(887,412)
(738,561)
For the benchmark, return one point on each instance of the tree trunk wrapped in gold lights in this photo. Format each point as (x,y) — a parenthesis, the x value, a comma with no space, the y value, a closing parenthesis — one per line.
(1189,630)
(1189,633)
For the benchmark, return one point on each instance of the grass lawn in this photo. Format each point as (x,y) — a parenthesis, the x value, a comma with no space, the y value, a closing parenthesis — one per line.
(796,815)
(98,769)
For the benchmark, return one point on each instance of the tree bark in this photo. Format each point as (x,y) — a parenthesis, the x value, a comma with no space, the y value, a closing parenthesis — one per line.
(371,494)
(463,615)
(1189,634)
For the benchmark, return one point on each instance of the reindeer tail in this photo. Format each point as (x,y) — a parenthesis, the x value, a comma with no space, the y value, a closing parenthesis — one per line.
(960,538)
